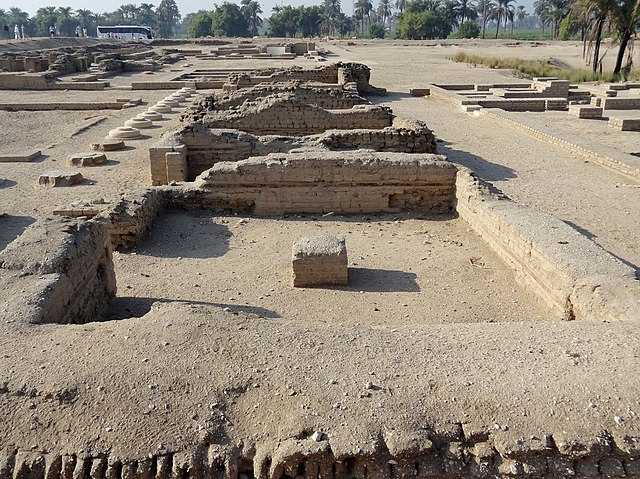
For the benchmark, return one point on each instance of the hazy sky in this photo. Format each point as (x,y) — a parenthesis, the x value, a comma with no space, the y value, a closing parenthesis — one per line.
(185,6)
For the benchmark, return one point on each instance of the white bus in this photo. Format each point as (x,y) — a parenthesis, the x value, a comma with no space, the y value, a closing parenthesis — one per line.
(125,32)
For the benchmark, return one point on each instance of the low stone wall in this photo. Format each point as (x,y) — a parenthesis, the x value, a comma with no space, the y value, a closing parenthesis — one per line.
(185,154)
(405,135)
(130,220)
(285,115)
(104,105)
(63,271)
(571,273)
(43,81)
(621,103)
(358,181)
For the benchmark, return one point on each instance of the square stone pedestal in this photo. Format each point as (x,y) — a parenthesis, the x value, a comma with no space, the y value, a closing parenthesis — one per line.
(319,261)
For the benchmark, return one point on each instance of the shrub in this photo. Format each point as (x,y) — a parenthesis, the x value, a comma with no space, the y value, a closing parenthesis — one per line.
(468,29)
(376,31)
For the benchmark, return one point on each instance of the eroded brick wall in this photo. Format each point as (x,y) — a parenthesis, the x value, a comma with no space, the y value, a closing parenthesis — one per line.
(358,181)
(67,268)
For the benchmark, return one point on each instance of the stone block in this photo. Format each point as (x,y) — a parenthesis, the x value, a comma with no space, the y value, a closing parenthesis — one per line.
(320,261)
(87,159)
(585,112)
(419,91)
(60,178)
(108,144)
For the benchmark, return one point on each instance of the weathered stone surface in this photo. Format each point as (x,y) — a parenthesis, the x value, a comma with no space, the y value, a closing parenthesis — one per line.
(20,157)
(359,181)
(283,114)
(59,178)
(125,132)
(319,260)
(87,159)
(139,123)
(108,144)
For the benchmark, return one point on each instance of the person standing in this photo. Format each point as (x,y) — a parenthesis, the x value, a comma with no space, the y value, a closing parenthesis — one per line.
(84,32)
(16,32)
(22,31)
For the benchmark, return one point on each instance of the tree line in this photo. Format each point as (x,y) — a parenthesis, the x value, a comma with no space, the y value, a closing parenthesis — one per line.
(163,19)
(590,20)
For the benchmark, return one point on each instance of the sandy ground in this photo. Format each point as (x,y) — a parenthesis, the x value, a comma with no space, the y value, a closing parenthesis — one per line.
(273,363)
(569,52)
(402,271)
(591,198)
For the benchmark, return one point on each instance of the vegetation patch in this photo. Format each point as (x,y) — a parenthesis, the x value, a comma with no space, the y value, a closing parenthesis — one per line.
(537,68)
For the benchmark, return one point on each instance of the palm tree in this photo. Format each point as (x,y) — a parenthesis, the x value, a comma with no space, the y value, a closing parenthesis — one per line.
(502,11)
(146,15)
(463,9)
(541,9)
(362,9)
(595,15)
(626,16)
(485,9)
(521,14)
(128,12)
(85,17)
(401,5)
(384,10)
(251,11)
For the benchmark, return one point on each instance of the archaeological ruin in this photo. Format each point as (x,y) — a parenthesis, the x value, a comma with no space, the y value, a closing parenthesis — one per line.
(258,265)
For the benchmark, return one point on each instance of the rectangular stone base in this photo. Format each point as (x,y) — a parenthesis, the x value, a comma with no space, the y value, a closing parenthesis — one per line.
(320,261)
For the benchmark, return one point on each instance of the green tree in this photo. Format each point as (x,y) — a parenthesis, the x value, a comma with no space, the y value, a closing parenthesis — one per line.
(626,17)
(468,29)
(65,23)
(309,20)
(384,11)
(227,20)
(251,10)
(86,19)
(283,22)
(45,17)
(596,16)
(331,16)
(485,9)
(362,11)
(464,9)
(502,12)
(146,15)
(168,17)
(128,12)
(376,30)
(198,24)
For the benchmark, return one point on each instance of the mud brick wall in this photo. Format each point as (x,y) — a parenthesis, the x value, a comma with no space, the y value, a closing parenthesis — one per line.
(24,81)
(571,273)
(358,181)
(408,136)
(130,220)
(324,97)
(410,454)
(69,268)
(204,147)
(621,103)
(284,115)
